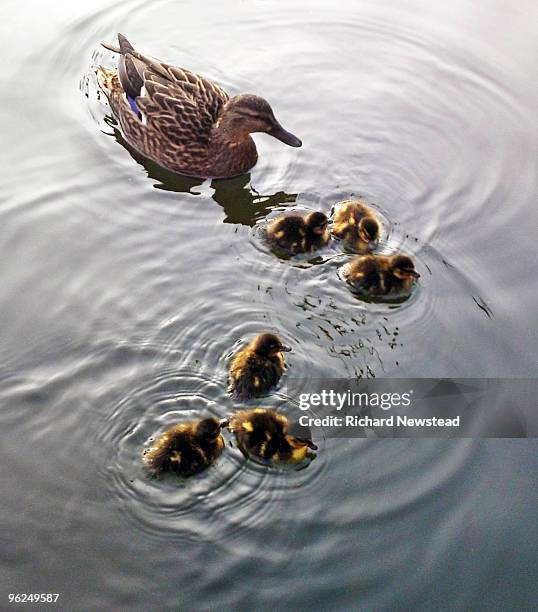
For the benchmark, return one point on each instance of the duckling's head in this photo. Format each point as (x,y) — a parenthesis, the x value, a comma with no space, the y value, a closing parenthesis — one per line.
(247,113)
(403,267)
(369,232)
(316,222)
(208,430)
(268,345)
(299,436)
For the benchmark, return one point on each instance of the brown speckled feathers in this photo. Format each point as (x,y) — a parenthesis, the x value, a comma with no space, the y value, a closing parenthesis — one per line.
(178,106)
(183,121)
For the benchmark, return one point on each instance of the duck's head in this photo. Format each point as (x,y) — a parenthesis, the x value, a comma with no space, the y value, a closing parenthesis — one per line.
(369,233)
(268,345)
(208,430)
(403,267)
(316,222)
(247,113)
(299,436)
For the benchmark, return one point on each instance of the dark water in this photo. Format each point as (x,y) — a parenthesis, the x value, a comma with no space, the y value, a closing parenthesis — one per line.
(124,289)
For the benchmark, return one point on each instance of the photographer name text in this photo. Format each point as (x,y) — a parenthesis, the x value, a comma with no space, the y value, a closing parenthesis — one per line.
(367,421)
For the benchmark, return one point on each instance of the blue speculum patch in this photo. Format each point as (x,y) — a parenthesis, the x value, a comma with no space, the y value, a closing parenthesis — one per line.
(133,106)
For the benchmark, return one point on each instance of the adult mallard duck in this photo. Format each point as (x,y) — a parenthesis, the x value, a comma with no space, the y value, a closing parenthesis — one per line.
(183,121)
(298,233)
(357,225)
(258,366)
(186,448)
(270,436)
(388,275)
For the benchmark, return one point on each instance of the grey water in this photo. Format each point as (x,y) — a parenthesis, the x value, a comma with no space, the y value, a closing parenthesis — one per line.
(125,288)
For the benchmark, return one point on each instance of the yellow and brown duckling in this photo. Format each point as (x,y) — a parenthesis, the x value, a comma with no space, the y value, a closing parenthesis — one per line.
(357,225)
(258,366)
(389,275)
(296,233)
(186,448)
(183,121)
(267,435)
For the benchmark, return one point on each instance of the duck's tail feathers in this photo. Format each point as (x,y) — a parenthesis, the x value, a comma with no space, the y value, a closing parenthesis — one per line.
(145,61)
(111,47)
(125,46)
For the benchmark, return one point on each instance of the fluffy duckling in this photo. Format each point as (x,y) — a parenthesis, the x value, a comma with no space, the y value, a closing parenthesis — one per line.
(258,366)
(186,448)
(381,274)
(357,225)
(270,436)
(298,233)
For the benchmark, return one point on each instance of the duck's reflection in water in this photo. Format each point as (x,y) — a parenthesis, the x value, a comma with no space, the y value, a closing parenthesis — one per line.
(242,204)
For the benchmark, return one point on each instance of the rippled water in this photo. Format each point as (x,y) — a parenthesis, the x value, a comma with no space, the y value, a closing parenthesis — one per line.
(126,288)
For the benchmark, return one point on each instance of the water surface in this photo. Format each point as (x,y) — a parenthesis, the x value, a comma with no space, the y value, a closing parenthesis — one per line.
(126,288)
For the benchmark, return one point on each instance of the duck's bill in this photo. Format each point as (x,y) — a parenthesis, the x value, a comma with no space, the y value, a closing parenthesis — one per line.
(414,274)
(286,137)
(310,444)
(285,349)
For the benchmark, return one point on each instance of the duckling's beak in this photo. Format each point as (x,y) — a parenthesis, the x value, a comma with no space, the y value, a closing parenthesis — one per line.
(285,349)
(224,423)
(413,273)
(277,131)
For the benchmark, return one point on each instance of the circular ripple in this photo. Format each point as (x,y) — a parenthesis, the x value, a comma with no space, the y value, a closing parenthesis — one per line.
(231,496)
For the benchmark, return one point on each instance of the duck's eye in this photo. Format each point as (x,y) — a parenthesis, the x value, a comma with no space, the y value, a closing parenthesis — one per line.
(248,114)
(255,117)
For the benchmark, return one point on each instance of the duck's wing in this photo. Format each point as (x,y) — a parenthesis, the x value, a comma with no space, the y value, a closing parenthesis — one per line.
(178,109)
(180,104)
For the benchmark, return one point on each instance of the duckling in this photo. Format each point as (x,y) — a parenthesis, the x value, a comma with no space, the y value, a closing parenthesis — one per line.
(357,225)
(186,448)
(267,435)
(299,233)
(258,366)
(381,274)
